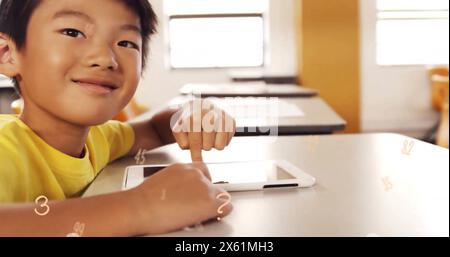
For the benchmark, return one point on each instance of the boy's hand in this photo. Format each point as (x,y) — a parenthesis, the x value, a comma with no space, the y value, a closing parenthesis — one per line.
(179,196)
(200,125)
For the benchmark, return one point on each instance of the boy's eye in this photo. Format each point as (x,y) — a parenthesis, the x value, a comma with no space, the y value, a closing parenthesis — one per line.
(72,32)
(129,44)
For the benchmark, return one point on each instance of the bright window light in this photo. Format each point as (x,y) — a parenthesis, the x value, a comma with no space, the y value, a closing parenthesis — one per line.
(216,42)
(216,33)
(174,7)
(401,5)
(412,32)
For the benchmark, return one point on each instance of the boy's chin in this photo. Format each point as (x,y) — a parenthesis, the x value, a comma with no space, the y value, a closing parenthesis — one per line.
(88,119)
(86,114)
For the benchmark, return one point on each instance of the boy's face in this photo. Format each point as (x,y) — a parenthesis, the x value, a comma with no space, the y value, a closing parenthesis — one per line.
(91,41)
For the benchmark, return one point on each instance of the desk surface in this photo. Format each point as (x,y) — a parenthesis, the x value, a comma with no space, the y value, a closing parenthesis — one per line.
(247,89)
(365,186)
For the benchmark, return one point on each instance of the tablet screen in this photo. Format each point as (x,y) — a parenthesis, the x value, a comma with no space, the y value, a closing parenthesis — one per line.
(239,172)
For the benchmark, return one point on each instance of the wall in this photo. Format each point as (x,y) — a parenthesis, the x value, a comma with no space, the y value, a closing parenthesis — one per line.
(161,84)
(394,98)
(329,61)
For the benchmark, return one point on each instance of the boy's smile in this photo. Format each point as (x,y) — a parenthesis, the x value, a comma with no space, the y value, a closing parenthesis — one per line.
(81,63)
(98,85)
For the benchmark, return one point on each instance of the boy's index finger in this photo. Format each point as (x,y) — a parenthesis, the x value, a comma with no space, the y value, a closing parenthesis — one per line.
(196,146)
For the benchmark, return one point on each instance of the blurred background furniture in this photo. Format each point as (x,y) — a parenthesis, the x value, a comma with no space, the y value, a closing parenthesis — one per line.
(442,134)
(131,111)
(438,134)
(247,89)
(7,95)
(268,78)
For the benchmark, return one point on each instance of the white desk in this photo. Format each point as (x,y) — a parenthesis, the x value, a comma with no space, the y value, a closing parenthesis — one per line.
(349,199)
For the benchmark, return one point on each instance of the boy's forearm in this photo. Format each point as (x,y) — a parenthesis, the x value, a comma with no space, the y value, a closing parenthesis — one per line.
(161,124)
(152,133)
(106,215)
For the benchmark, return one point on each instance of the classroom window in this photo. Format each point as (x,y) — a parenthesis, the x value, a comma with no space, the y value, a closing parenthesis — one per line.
(216,33)
(412,32)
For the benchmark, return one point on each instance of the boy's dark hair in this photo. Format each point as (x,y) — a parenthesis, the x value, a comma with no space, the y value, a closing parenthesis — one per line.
(15,16)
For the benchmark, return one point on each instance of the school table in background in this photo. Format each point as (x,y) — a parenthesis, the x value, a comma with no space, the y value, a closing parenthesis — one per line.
(264,76)
(247,89)
(291,116)
(366,185)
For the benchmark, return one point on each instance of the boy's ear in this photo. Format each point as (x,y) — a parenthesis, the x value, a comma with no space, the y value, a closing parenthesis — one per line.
(9,63)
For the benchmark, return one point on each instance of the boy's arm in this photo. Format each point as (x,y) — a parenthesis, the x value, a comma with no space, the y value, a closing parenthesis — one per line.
(216,132)
(154,132)
(146,209)
(106,215)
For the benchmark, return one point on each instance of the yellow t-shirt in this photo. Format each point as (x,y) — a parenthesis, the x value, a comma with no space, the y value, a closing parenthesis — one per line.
(29,167)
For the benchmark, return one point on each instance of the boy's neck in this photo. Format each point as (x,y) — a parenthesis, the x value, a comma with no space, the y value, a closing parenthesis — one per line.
(61,135)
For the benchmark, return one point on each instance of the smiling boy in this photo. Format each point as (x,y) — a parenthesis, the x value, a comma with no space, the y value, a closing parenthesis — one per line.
(77,64)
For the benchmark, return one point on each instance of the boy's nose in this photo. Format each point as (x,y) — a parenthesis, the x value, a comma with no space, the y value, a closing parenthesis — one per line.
(102,57)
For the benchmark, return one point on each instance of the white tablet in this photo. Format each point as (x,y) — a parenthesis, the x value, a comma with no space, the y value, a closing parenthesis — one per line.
(236,176)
